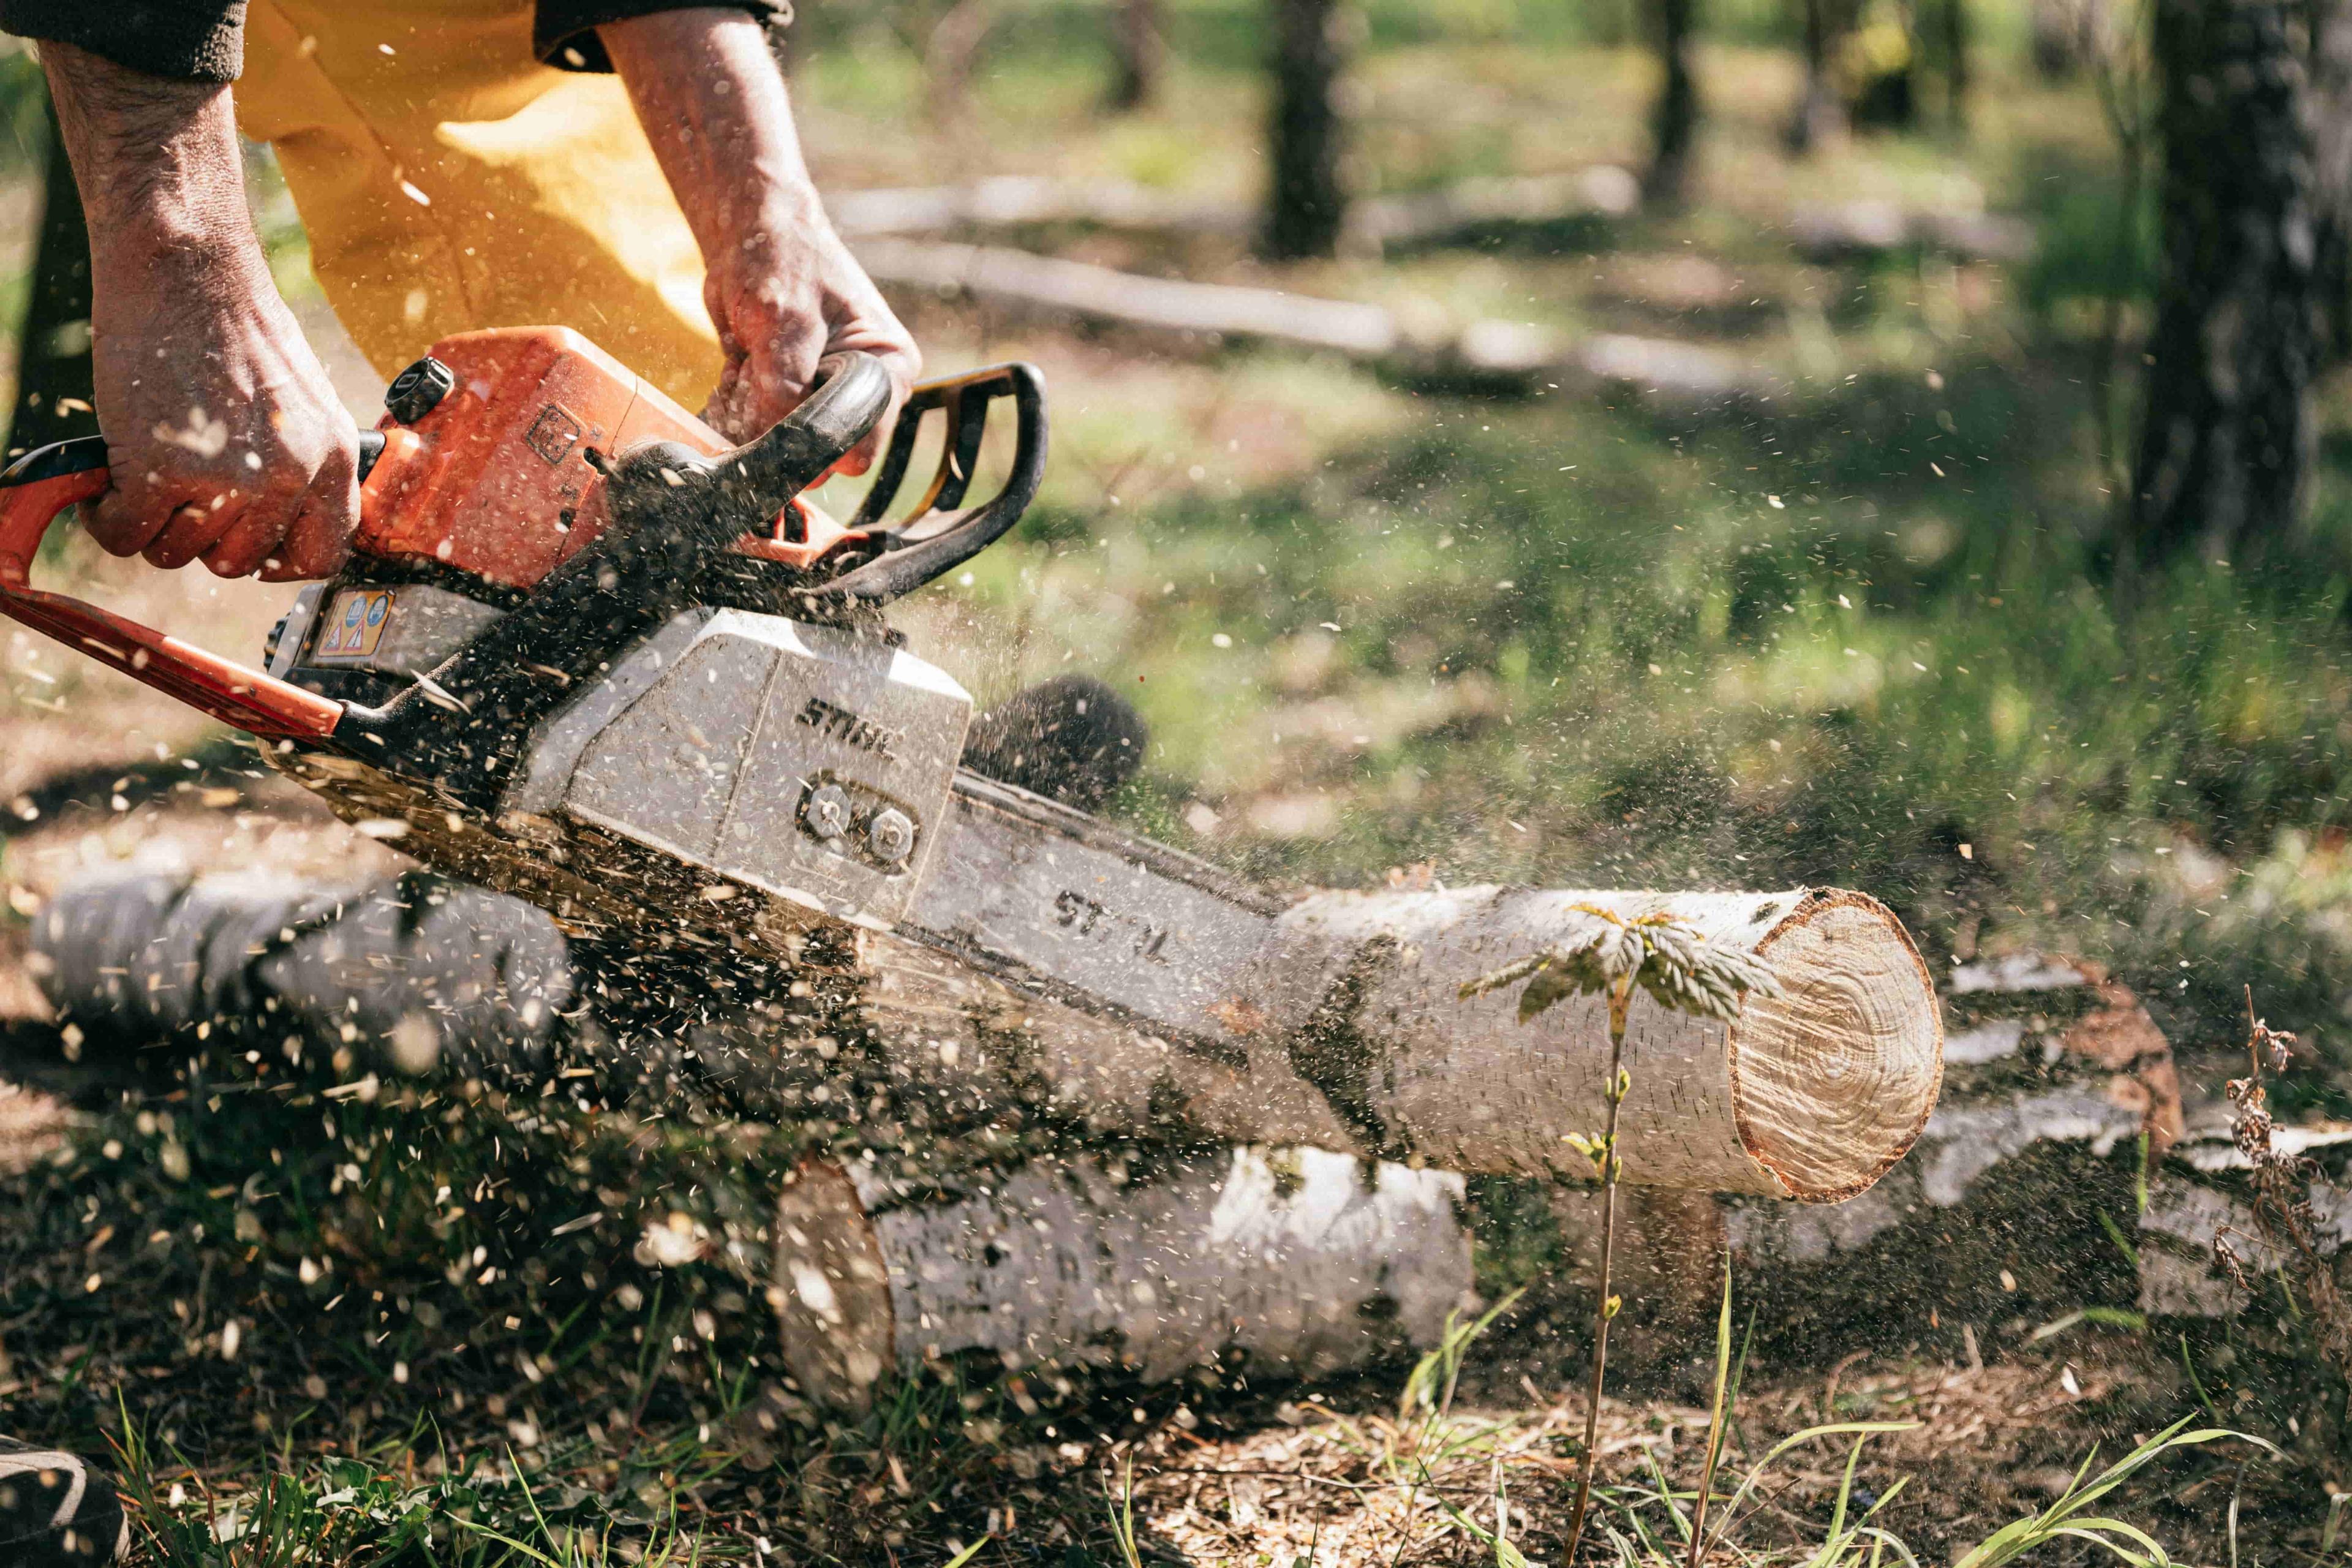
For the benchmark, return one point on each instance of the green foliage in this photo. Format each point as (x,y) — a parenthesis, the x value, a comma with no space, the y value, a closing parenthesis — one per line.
(1680,969)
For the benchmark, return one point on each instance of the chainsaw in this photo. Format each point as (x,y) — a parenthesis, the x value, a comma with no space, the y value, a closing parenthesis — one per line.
(586,652)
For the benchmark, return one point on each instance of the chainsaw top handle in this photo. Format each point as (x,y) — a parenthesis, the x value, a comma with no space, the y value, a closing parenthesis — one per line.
(50,479)
(913,553)
(678,537)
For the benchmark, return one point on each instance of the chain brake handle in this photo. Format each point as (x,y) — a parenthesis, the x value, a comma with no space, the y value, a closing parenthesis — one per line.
(43,484)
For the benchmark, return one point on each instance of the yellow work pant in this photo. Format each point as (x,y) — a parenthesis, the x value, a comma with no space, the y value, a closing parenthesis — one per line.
(450,181)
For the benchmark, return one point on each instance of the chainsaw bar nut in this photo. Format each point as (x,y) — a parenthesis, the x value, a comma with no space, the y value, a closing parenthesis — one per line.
(890,836)
(827,812)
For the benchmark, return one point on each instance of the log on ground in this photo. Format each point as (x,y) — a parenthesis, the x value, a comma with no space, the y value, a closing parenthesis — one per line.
(1287,1263)
(1509,356)
(1346,1030)
(1349,1031)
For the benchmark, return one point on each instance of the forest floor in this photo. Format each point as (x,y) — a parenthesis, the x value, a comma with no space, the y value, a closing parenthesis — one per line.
(1856,635)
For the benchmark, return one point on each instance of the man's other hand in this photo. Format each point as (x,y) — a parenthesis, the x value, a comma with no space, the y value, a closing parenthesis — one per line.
(781,286)
(225,440)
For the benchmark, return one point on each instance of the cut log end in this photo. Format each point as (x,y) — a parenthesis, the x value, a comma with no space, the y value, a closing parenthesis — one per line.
(1832,1081)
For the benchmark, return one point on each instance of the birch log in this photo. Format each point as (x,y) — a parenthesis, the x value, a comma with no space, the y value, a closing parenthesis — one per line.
(1337,1024)
(1295,1263)
(2202,1192)
(1348,1031)
(1504,354)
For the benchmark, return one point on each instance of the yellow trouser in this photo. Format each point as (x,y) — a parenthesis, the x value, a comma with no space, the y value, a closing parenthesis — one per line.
(449,181)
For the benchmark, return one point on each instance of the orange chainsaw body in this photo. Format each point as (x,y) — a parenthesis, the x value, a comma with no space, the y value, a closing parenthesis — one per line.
(506,453)
(498,480)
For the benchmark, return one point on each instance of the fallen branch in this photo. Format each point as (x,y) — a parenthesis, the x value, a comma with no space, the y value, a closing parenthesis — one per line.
(1210,314)
(1475,208)
(1871,228)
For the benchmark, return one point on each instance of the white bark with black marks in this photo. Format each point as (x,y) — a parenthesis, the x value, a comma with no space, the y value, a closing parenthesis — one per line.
(1294,1263)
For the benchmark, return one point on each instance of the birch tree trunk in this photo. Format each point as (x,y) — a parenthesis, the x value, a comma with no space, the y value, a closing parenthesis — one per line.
(2226,435)
(1139,55)
(1293,1263)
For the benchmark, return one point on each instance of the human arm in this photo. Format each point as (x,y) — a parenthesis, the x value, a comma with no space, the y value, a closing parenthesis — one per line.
(781,286)
(225,440)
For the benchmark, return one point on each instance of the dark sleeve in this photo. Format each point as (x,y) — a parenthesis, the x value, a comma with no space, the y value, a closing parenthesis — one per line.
(196,40)
(564,32)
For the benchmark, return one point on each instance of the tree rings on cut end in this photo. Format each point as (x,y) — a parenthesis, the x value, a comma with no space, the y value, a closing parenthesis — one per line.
(1833,1080)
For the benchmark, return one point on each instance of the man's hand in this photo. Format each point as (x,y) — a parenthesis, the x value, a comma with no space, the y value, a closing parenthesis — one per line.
(225,440)
(781,288)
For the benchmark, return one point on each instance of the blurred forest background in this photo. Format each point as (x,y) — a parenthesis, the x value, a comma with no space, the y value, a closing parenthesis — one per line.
(1902,445)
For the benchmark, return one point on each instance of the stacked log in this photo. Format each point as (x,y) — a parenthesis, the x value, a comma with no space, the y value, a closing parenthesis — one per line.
(1296,1263)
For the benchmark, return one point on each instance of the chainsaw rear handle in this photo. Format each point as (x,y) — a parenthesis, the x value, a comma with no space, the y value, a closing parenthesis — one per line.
(45,482)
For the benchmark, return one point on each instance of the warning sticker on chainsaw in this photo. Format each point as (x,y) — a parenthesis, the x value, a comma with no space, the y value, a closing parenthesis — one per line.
(353,625)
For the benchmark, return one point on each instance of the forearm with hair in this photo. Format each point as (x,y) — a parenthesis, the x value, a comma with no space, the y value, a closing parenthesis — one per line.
(715,107)
(156,159)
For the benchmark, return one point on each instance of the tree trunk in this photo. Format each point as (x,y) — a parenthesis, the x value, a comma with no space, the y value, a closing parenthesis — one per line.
(1292,1263)
(1345,1030)
(1307,208)
(950,53)
(2331,96)
(2226,436)
(1139,55)
(1952,45)
(1821,117)
(2066,36)
(53,368)
(1673,121)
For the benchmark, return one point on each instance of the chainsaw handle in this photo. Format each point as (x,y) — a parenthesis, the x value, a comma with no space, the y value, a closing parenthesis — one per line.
(852,395)
(909,559)
(40,486)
